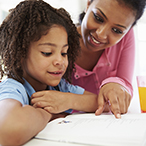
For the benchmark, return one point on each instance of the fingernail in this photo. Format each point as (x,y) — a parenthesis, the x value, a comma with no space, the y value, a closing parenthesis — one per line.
(118,116)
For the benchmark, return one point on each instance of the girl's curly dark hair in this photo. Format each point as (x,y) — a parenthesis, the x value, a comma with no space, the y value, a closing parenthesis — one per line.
(27,22)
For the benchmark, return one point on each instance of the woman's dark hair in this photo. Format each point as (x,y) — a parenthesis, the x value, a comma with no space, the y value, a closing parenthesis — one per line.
(137,6)
(27,23)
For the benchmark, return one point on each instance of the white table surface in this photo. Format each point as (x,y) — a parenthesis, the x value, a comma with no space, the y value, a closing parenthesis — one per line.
(133,108)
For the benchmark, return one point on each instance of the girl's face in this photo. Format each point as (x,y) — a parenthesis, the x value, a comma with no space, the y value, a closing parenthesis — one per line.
(105,24)
(47,59)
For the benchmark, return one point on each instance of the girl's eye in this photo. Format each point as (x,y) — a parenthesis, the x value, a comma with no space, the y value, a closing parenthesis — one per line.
(64,54)
(117,31)
(99,19)
(46,53)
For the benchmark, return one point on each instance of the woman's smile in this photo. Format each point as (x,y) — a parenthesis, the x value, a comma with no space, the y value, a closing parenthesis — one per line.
(94,41)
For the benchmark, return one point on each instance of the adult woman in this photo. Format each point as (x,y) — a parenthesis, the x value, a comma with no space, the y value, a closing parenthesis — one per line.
(106,63)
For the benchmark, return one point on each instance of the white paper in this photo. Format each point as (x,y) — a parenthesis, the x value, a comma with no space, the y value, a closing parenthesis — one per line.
(106,130)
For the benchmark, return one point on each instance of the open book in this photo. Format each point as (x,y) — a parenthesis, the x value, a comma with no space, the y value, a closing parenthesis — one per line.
(103,130)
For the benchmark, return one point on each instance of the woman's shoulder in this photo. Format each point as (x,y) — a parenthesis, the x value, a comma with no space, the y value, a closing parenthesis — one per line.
(128,41)
(130,33)
(129,37)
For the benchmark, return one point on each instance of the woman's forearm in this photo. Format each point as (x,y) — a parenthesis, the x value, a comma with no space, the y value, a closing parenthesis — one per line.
(86,102)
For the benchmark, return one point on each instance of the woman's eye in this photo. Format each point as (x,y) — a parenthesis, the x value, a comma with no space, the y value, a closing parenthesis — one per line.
(46,53)
(99,19)
(117,31)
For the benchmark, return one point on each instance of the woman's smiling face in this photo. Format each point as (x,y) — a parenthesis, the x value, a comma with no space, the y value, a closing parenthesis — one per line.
(105,24)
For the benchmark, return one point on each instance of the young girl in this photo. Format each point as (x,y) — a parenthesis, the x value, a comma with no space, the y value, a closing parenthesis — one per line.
(39,45)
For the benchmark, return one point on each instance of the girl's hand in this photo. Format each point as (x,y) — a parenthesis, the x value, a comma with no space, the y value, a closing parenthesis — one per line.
(114,96)
(52,101)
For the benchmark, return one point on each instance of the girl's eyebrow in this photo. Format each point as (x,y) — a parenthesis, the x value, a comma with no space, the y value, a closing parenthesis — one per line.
(51,44)
(47,44)
(107,19)
(66,45)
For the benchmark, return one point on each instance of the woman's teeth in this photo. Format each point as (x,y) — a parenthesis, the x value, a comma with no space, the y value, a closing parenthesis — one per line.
(95,41)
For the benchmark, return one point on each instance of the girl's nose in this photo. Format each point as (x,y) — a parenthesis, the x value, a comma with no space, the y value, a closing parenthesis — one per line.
(102,32)
(59,60)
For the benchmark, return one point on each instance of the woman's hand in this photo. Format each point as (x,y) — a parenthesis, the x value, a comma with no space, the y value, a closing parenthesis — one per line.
(114,96)
(52,101)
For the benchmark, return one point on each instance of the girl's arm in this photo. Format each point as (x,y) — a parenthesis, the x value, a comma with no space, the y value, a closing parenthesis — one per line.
(56,101)
(18,123)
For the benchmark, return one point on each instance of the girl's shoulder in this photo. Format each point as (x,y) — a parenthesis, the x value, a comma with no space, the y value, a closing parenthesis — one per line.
(12,89)
(10,84)
(10,81)
(65,86)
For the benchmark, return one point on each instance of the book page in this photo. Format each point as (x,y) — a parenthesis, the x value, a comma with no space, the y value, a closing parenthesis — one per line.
(93,130)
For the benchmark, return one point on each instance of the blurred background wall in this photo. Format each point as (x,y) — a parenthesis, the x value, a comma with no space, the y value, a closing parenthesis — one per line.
(74,7)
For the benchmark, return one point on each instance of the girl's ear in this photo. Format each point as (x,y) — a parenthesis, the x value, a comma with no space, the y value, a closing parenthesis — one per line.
(88,4)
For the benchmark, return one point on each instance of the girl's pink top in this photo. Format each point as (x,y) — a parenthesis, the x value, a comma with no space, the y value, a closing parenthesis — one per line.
(116,64)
